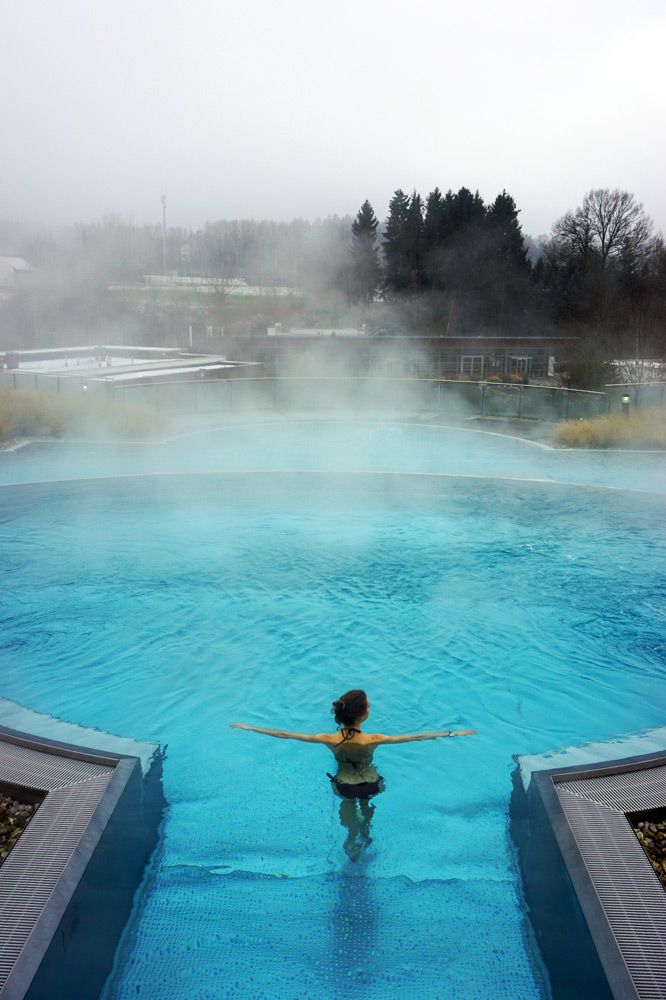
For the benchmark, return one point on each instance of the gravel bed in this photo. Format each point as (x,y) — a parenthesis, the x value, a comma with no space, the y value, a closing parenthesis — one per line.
(14,817)
(652,837)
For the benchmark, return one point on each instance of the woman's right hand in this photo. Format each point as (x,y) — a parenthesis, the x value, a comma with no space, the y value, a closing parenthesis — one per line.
(465,732)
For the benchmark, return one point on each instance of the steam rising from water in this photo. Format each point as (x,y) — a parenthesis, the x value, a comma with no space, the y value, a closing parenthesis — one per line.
(338,448)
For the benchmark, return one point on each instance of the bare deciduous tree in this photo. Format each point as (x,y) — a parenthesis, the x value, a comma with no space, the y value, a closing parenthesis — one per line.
(640,369)
(610,224)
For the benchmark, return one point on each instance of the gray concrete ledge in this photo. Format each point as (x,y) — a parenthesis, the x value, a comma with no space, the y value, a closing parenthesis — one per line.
(66,888)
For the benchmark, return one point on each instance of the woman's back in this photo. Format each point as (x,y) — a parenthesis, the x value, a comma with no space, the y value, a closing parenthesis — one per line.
(354,756)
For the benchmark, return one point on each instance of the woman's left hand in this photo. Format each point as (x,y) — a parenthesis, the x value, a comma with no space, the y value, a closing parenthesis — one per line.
(238,725)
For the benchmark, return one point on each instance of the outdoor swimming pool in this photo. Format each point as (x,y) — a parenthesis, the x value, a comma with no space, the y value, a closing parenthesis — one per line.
(164,607)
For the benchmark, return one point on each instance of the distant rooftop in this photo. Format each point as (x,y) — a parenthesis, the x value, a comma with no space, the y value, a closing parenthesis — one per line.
(176,284)
(473,338)
(15,263)
(140,375)
(112,362)
(12,271)
(96,350)
(314,331)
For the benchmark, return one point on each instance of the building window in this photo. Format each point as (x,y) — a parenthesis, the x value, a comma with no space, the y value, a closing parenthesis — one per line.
(520,365)
(471,364)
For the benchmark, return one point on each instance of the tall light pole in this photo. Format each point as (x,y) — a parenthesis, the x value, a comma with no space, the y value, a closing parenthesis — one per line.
(164,269)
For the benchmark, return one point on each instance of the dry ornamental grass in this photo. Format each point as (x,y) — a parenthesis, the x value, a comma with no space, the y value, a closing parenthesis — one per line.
(638,429)
(46,415)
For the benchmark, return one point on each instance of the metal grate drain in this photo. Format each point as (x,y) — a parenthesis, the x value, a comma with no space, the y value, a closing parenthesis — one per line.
(629,893)
(627,791)
(24,765)
(30,873)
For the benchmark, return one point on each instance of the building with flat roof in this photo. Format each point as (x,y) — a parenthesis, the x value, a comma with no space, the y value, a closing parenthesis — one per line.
(67,369)
(12,271)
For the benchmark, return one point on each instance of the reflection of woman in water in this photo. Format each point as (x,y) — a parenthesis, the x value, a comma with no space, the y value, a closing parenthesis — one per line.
(356,780)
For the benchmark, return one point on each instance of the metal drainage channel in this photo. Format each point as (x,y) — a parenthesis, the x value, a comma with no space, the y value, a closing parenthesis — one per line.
(73,784)
(625,887)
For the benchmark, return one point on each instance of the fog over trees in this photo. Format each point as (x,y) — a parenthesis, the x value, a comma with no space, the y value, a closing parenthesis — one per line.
(365,268)
(447,264)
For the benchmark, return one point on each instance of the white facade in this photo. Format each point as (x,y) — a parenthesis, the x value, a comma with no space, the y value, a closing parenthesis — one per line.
(301,331)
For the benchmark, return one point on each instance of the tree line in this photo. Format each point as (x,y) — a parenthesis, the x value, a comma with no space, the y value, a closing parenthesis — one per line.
(453,263)
(450,264)
(452,260)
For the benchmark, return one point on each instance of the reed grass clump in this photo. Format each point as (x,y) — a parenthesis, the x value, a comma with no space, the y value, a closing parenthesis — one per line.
(48,415)
(644,428)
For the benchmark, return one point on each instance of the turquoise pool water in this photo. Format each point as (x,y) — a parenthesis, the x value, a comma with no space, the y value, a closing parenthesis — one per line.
(339,446)
(165,607)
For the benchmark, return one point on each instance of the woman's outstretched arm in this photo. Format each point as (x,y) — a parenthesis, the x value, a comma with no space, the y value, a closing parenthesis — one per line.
(380,738)
(282,734)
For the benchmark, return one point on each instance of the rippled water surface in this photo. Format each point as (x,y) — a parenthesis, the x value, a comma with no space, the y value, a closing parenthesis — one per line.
(164,608)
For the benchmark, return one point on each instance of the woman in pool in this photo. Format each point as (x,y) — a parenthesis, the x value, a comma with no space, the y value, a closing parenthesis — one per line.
(357,779)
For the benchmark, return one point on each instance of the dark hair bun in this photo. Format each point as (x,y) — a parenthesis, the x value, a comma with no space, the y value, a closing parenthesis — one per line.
(350,707)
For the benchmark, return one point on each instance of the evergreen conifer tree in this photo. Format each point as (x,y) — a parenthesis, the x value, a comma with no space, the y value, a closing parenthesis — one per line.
(466,209)
(463,223)
(433,233)
(506,266)
(413,243)
(365,278)
(506,233)
(396,263)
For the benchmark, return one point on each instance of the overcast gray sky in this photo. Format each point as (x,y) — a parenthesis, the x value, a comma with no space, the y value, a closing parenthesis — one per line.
(303,109)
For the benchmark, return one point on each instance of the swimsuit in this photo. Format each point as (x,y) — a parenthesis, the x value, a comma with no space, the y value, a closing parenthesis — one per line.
(360,790)
(357,789)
